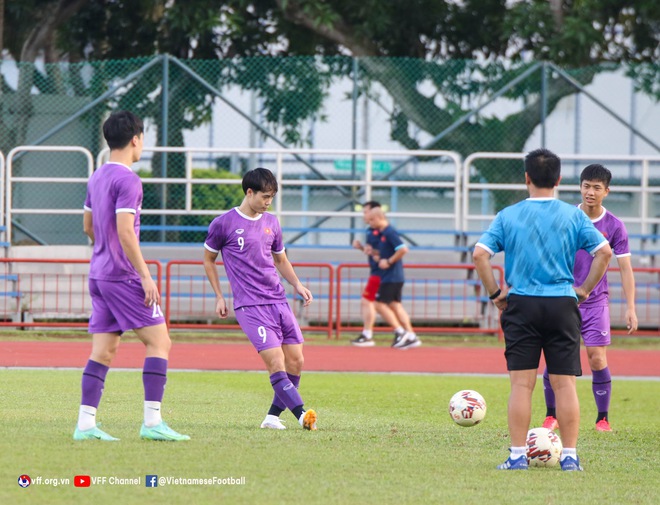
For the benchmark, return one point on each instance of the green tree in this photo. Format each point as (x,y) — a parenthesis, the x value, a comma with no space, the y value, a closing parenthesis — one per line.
(470,49)
(465,50)
(207,197)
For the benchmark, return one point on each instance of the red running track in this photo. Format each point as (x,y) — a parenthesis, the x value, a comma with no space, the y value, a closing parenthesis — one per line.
(622,362)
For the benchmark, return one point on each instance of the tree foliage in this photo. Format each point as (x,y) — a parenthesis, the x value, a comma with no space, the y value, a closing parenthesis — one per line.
(466,50)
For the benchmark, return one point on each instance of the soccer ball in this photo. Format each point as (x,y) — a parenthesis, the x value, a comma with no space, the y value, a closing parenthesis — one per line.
(543,447)
(467,408)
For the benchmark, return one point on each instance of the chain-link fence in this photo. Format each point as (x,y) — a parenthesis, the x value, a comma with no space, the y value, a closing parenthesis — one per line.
(323,102)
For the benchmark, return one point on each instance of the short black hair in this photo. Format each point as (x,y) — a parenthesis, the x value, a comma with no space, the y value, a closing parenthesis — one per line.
(596,172)
(372,204)
(260,179)
(543,167)
(120,128)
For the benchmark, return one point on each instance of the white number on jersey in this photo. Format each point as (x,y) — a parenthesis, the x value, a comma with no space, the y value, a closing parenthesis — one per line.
(156,312)
(262,333)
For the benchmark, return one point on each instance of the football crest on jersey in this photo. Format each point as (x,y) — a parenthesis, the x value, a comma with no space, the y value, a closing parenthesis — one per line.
(267,231)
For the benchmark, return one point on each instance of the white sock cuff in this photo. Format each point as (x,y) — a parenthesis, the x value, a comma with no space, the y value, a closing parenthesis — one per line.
(517,452)
(86,417)
(152,414)
(568,451)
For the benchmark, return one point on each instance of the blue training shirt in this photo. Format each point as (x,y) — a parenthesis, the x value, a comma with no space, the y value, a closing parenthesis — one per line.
(373,239)
(389,243)
(540,237)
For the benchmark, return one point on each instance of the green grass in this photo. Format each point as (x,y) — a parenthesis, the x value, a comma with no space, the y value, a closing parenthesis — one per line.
(234,337)
(382,439)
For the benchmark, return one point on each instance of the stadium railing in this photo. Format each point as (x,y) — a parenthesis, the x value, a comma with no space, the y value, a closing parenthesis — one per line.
(441,299)
(4,243)
(353,185)
(49,293)
(647,301)
(190,302)
(641,224)
(438,299)
(425,226)
(10,180)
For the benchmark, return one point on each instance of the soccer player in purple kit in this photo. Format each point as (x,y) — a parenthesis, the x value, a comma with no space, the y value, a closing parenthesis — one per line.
(250,240)
(124,296)
(594,187)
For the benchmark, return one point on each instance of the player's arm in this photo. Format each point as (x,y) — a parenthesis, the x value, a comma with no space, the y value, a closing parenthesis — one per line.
(481,260)
(385,263)
(129,243)
(285,269)
(212,275)
(88,225)
(598,269)
(628,283)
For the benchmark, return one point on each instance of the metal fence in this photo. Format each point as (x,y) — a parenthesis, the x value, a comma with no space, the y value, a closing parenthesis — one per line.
(327,104)
(190,301)
(441,299)
(445,210)
(438,299)
(49,293)
(40,212)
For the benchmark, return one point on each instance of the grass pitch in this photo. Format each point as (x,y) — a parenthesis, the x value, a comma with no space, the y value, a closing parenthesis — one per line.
(382,439)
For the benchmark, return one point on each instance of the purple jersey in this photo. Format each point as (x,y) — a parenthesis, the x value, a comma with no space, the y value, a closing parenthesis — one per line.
(112,189)
(247,245)
(615,232)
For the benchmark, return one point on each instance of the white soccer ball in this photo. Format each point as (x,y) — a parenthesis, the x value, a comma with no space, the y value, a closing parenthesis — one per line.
(467,408)
(543,447)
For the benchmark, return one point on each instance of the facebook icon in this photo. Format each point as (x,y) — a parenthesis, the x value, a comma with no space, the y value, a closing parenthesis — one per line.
(151,481)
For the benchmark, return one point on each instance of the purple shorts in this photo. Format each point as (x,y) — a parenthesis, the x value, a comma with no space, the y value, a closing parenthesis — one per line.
(269,326)
(596,325)
(118,306)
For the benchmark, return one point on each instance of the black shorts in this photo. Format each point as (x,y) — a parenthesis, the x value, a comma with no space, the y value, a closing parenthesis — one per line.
(535,323)
(389,292)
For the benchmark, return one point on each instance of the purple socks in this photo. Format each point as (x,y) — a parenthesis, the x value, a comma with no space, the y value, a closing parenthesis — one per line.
(154,377)
(93,379)
(278,405)
(602,388)
(285,390)
(548,392)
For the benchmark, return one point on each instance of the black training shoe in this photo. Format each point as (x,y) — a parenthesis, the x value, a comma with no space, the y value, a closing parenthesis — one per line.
(408,343)
(397,339)
(363,341)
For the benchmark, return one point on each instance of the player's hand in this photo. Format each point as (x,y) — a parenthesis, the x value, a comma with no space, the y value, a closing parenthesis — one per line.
(305,293)
(581,293)
(631,321)
(357,244)
(383,264)
(151,294)
(501,301)
(368,250)
(221,308)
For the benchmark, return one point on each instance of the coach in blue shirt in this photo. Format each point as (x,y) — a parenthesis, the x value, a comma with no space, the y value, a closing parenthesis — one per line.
(540,237)
(391,250)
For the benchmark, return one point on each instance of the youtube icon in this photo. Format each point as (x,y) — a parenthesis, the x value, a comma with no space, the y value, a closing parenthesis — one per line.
(82,481)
